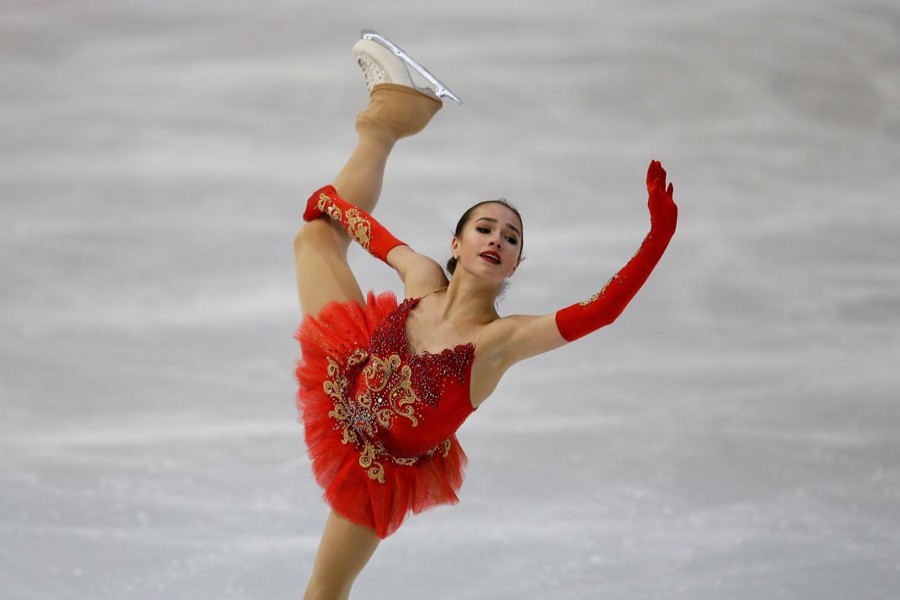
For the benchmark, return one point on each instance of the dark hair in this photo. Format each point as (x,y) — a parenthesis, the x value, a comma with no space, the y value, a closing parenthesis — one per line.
(451,264)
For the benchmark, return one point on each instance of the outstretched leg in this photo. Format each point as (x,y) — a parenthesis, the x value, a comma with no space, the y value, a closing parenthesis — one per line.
(344,550)
(320,248)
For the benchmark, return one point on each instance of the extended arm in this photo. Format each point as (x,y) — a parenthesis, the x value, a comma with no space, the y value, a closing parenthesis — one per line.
(518,337)
(603,307)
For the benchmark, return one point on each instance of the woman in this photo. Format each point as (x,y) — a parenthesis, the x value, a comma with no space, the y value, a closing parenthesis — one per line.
(383,388)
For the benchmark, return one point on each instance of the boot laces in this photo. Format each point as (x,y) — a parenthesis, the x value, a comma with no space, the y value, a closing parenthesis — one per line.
(373,72)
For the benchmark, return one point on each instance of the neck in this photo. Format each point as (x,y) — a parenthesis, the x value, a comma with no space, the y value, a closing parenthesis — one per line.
(470,300)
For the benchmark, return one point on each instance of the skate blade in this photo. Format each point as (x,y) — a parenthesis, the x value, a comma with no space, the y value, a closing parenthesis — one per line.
(440,90)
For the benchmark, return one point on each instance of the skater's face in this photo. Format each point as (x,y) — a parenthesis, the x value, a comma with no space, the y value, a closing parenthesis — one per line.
(490,243)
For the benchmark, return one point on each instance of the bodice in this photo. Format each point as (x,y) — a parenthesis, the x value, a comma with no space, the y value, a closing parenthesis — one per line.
(408,403)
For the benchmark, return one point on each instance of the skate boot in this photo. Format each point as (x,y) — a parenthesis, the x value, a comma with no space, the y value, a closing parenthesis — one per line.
(378,56)
(397,108)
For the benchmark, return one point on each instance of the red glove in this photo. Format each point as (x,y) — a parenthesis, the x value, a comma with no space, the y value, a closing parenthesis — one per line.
(603,307)
(361,226)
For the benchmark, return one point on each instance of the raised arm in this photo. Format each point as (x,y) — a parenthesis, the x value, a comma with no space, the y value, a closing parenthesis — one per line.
(419,273)
(521,336)
(606,305)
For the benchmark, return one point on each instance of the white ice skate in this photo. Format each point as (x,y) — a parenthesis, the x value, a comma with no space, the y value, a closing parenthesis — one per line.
(377,56)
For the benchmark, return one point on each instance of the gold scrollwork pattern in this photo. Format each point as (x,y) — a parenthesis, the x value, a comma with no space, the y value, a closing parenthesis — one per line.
(354,221)
(400,399)
(359,228)
(387,394)
(443,448)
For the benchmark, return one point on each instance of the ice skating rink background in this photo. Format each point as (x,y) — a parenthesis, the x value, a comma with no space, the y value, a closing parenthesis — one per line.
(733,435)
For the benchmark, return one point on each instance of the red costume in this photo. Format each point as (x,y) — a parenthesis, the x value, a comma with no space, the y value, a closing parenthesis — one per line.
(380,420)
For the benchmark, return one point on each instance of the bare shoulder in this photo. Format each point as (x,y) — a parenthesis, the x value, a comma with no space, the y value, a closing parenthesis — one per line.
(514,338)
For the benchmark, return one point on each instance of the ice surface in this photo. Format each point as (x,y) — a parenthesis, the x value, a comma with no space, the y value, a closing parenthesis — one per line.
(733,435)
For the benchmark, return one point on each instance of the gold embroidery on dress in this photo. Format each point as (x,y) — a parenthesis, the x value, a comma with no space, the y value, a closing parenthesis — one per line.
(400,397)
(374,469)
(356,419)
(357,357)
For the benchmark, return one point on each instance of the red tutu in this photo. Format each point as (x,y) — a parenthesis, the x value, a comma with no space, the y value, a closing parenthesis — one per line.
(339,330)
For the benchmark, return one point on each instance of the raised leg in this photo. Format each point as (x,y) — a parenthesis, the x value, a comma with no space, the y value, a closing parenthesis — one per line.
(320,248)
(344,550)
(323,275)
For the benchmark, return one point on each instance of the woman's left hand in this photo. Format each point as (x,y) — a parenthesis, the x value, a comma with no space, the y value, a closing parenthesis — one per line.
(663,211)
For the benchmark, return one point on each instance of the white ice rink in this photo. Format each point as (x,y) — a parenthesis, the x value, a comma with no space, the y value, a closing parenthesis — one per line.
(735,435)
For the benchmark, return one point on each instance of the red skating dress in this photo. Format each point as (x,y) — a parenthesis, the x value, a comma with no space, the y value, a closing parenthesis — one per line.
(380,420)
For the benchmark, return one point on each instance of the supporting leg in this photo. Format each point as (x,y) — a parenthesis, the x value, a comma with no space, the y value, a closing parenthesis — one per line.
(343,552)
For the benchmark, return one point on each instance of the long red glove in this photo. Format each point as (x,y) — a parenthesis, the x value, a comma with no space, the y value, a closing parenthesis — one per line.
(361,226)
(603,307)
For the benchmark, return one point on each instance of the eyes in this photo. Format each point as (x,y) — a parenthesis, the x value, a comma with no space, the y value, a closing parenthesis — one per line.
(487,230)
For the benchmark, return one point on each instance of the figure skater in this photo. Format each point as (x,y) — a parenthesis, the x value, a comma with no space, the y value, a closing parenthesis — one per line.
(384,387)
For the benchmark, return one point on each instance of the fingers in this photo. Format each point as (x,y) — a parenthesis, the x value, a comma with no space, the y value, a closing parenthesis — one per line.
(653,173)
(671,191)
(656,176)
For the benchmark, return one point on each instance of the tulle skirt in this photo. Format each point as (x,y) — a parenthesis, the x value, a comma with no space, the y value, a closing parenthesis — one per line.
(336,332)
